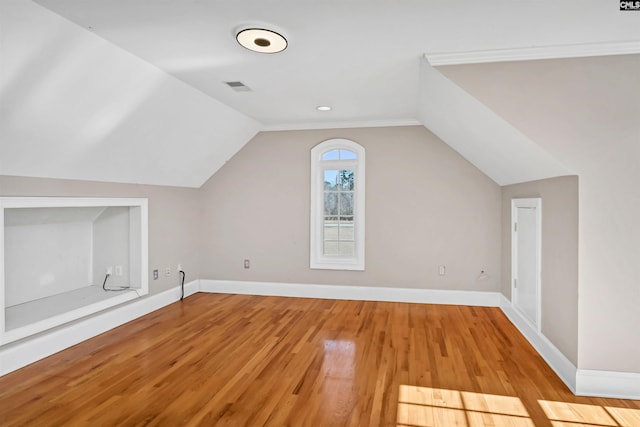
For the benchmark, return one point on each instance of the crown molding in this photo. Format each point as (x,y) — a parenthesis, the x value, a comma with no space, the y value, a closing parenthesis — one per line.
(534,52)
(340,124)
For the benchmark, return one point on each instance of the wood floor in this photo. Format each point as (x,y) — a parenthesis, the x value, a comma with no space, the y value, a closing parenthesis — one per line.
(251,361)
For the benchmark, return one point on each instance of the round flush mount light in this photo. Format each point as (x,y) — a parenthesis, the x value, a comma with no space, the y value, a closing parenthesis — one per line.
(323,108)
(261,40)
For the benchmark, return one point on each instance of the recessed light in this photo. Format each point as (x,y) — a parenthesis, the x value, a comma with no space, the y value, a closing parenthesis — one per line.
(323,108)
(261,40)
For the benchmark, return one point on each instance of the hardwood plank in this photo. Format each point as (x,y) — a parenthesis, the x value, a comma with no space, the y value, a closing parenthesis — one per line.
(246,360)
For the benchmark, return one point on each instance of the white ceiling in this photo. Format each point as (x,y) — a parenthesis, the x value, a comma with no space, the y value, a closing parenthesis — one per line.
(362,58)
(133,90)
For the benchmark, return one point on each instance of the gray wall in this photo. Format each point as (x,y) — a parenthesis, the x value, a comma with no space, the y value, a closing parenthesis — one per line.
(39,261)
(585,117)
(559,263)
(110,246)
(174,218)
(425,206)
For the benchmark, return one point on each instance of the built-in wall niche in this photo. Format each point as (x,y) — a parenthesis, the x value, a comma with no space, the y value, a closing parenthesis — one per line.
(65,258)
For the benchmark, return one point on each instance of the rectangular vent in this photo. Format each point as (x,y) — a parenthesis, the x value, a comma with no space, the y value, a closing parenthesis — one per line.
(238,86)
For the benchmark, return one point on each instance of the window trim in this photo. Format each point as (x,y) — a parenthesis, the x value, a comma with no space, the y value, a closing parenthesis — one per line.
(317,259)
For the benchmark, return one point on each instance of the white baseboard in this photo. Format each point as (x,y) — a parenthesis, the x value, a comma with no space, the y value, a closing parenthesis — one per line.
(581,382)
(359,293)
(22,353)
(619,385)
(549,352)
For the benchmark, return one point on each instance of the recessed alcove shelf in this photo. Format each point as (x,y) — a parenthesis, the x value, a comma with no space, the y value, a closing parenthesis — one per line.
(55,253)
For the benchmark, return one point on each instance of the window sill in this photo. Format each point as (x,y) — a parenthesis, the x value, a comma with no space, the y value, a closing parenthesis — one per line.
(334,264)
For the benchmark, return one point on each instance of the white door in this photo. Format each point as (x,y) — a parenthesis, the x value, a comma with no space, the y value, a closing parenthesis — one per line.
(525,265)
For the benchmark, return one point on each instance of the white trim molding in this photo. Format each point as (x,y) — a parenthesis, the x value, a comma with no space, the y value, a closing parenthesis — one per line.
(358,293)
(619,385)
(550,353)
(627,47)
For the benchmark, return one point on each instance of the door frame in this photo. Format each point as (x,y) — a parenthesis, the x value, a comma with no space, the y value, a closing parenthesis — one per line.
(527,203)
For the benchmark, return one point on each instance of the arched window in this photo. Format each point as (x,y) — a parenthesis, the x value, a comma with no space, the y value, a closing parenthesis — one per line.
(337,205)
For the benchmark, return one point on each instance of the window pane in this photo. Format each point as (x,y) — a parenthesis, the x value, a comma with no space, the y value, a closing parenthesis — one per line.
(347,179)
(330,228)
(346,249)
(330,203)
(346,203)
(347,155)
(345,230)
(331,248)
(331,155)
(337,195)
(331,179)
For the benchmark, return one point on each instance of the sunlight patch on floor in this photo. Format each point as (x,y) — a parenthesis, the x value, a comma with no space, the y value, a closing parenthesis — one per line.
(437,407)
(626,417)
(563,414)
(427,407)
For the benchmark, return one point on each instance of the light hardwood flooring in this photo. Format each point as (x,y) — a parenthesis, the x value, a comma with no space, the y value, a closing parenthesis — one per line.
(237,360)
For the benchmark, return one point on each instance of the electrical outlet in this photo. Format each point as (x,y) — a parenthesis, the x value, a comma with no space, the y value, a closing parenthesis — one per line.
(247,263)
(180,267)
(118,270)
(167,271)
(442,270)
(109,271)
(155,274)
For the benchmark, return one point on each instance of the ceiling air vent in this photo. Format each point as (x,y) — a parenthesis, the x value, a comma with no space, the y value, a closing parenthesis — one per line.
(238,86)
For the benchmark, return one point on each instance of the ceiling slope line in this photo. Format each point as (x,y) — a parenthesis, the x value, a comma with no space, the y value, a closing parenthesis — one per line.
(627,47)
(479,135)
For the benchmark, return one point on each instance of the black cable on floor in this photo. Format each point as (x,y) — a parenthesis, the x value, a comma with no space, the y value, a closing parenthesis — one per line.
(182,286)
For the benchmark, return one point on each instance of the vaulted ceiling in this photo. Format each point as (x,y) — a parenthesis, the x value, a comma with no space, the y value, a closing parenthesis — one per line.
(134,91)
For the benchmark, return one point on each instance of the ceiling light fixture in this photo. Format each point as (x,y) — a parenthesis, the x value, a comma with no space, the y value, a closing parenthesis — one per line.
(323,108)
(261,40)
